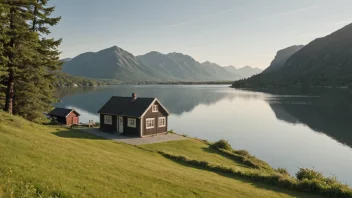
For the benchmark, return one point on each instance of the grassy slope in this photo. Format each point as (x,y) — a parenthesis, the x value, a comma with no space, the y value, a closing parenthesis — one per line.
(53,160)
(197,150)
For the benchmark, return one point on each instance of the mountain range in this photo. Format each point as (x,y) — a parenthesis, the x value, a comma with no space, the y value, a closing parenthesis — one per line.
(116,63)
(325,61)
(281,57)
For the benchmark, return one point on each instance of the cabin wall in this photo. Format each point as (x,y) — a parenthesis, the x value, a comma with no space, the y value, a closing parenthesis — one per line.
(72,118)
(108,127)
(149,114)
(131,131)
(61,120)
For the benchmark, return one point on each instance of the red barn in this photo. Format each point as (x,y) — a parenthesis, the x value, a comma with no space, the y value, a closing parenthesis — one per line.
(65,116)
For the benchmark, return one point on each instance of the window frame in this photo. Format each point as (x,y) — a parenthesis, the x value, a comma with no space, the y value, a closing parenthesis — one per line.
(134,125)
(155,108)
(152,120)
(106,119)
(162,118)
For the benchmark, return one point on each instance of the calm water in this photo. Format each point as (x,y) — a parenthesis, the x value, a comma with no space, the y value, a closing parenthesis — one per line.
(287,128)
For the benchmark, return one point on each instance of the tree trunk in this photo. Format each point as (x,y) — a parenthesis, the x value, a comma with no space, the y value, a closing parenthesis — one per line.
(11,78)
(10,93)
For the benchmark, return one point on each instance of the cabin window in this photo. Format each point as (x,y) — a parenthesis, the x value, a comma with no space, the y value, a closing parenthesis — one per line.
(155,108)
(161,122)
(107,119)
(150,123)
(131,122)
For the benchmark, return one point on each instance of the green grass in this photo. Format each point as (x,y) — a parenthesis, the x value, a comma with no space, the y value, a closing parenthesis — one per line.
(197,150)
(59,162)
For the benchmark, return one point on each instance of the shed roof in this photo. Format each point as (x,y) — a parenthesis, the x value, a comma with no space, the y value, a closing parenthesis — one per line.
(61,112)
(127,107)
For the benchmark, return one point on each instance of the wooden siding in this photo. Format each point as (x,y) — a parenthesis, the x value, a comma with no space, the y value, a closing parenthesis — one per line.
(149,114)
(72,118)
(107,127)
(131,131)
(128,131)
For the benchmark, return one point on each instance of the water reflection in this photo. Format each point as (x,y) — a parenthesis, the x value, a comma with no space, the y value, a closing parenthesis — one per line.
(177,99)
(323,110)
(328,111)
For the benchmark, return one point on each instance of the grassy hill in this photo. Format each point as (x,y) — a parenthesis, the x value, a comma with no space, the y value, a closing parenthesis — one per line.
(58,162)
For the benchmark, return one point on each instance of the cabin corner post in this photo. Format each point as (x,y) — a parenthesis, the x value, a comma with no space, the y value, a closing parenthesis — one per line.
(141,127)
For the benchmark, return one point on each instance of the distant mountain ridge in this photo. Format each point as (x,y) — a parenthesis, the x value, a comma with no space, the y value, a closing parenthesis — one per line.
(116,63)
(281,57)
(325,61)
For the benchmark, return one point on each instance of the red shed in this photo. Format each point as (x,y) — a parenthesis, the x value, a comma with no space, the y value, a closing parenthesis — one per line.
(65,116)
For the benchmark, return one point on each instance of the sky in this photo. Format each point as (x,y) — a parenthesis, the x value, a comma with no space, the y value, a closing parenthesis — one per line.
(226,32)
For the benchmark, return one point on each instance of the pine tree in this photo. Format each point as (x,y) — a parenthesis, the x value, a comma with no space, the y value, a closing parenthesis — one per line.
(29,58)
(35,88)
(16,38)
(3,59)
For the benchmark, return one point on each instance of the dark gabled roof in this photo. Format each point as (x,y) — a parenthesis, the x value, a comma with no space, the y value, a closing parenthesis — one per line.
(125,106)
(61,112)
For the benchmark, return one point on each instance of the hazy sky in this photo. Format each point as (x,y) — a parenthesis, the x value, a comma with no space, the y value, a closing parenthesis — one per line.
(227,32)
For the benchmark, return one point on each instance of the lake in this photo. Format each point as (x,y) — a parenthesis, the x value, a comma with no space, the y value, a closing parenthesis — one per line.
(286,128)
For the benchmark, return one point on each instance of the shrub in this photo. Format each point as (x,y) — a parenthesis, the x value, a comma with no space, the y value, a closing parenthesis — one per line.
(305,173)
(283,171)
(205,142)
(243,153)
(222,144)
(171,131)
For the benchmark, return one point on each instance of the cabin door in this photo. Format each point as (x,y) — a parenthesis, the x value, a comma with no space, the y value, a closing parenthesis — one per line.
(120,124)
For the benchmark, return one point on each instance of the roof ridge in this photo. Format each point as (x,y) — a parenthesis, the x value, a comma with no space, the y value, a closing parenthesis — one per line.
(62,108)
(131,97)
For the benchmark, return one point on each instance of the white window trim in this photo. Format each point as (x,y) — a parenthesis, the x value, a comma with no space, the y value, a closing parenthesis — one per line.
(146,122)
(106,120)
(131,125)
(160,118)
(155,108)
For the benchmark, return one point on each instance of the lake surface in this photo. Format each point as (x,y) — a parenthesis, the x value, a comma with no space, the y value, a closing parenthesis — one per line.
(286,128)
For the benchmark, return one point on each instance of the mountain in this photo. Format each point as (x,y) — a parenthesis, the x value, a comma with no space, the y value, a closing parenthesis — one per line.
(325,61)
(111,63)
(231,68)
(177,65)
(66,59)
(248,71)
(116,63)
(185,68)
(244,72)
(281,57)
(221,71)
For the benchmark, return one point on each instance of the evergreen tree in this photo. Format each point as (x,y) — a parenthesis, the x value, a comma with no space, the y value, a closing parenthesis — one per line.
(15,39)
(3,59)
(29,59)
(35,87)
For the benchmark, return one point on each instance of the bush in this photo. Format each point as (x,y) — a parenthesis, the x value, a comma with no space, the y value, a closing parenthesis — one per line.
(171,131)
(283,171)
(305,173)
(243,153)
(221,144)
